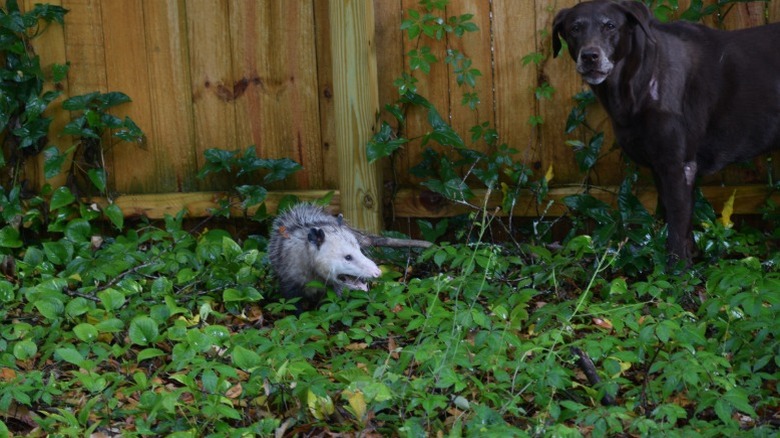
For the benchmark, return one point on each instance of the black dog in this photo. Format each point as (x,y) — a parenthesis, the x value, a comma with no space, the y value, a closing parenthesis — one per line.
(684,99)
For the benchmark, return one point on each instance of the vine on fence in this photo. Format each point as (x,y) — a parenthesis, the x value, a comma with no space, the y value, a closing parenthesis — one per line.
(25,127)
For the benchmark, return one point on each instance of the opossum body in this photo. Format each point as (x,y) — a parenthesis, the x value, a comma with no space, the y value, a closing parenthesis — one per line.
(308,245)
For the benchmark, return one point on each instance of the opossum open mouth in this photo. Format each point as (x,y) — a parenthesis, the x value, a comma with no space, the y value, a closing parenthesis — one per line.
(354,283)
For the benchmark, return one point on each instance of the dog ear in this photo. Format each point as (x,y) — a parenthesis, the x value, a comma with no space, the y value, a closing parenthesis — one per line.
(558,32)
(638,13)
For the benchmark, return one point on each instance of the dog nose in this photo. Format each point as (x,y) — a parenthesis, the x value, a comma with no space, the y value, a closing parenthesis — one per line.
(589,55)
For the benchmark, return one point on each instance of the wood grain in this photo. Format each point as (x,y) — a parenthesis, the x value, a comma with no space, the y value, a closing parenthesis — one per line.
(356,103)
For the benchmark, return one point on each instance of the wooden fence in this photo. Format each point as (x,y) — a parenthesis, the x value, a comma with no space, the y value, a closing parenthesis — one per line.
(232,73)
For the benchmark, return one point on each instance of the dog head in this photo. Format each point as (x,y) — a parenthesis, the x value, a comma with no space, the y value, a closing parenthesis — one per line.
(599,33)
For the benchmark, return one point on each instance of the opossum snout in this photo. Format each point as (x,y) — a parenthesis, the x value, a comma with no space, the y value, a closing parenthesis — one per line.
(367,266)
(360,266)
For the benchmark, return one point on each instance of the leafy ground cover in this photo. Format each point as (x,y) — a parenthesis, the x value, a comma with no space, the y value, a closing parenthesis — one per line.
(157,331)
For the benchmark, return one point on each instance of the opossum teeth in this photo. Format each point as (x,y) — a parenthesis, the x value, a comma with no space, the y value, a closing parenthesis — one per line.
(354,283)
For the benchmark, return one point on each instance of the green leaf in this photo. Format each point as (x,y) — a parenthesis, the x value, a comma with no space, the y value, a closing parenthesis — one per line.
(280,169)
(246,359)
(24,350)
(59,253)
(70,355)
(618,286)
(7,294)
(217,160)
(243,294)
(590,207)
(10,237)
(143,330)
(149,353)
(430,232)
(61,197)
(739,399)
(59,72)
(113,325)
(76,307)
(252,195)
(723,409)
(115,215)
(79,103)
(78,230)
(230,249)
(49,12)
(98,178)
(52,162)
(666,329)
(383,143)
(86,332)
(50,308)
(131,132)
(455,189)
(112,99)
(421,59)
(111,299)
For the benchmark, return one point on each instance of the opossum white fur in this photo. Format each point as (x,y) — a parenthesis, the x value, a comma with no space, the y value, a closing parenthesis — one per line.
(308,245)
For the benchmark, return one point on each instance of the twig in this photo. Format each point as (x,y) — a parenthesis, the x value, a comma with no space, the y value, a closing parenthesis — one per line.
(586,364)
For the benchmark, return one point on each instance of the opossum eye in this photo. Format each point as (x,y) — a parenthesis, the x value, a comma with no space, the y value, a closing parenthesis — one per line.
(348,257)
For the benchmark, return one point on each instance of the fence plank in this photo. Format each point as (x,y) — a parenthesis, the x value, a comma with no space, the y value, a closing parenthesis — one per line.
(276,83)
(514,25)
(476,47)
(561,75)
(171,95)
(85,50)
(356,102)
(84,46)
(211,73)
(433,86)
(126,55)
(773,11)
(390,64)
(330,169)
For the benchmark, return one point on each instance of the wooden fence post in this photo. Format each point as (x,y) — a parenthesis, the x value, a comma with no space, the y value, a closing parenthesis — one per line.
(356,106)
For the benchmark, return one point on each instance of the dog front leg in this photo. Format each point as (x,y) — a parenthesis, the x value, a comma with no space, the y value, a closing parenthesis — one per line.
(675,185)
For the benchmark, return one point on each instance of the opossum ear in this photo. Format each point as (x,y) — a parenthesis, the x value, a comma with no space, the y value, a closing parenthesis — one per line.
(316,236)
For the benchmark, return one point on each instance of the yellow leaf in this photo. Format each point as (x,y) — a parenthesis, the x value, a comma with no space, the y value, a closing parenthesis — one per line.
(195,320)
(550,174)
(320,407)
(357,402)
(728,209)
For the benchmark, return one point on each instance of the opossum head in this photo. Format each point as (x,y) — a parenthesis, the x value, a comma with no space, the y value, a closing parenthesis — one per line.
(338,260)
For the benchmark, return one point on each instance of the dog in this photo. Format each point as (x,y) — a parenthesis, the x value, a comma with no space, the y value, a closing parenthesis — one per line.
(684,100)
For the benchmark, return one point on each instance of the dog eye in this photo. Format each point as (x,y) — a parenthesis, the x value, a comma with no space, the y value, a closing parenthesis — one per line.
(609,25)
(348,257)
(575,28)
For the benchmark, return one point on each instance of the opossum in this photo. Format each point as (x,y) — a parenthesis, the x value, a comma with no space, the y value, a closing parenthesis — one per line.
(307,244)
